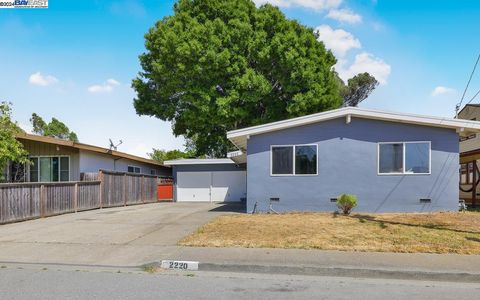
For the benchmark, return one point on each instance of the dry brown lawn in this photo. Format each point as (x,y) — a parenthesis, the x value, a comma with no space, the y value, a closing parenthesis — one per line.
(430,233)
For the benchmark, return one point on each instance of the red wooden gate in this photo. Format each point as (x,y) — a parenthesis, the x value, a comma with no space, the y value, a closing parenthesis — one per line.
(165,192)
(165,189)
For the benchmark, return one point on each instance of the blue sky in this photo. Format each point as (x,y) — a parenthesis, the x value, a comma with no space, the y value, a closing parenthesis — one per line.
(76,59)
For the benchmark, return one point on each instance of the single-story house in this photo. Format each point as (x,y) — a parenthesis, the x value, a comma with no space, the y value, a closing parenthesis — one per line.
(60,160)
(392,162)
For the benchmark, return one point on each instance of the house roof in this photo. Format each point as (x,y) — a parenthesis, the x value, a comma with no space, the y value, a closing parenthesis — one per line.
(239,137)
(81,146)
(469,105)
(199,161)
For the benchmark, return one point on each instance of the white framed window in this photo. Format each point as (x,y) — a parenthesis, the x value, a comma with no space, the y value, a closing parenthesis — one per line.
(49,169)
(134,169)
(400,158)
(294,160)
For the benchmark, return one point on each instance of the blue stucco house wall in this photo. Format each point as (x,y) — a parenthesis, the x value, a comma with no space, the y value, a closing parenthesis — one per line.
(347,163)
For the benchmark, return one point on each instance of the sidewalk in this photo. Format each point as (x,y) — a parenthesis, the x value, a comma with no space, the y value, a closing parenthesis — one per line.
(449,267)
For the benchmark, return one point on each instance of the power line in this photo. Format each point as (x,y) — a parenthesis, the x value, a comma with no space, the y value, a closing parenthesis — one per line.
(474,97)
(466,88)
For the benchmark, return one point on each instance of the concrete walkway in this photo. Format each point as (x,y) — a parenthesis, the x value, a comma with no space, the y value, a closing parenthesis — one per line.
(124,236)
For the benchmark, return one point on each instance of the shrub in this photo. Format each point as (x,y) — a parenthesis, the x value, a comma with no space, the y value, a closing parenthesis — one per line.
(346,202)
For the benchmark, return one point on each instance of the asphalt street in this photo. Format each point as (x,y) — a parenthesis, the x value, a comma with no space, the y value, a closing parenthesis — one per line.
(51,282)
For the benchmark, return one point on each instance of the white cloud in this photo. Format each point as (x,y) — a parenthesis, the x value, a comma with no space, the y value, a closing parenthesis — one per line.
(337,40)
(105,87)
(41,80)
(112,82)
(441,90)
(340,42)
(312,4)
(345,16)
(97,88)
(364,62)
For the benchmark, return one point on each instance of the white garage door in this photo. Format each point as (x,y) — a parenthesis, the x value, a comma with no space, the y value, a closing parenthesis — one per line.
(193,186)
(218,186)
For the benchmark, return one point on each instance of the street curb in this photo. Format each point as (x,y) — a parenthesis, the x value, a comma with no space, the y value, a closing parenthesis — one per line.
(342,272)
(276,269)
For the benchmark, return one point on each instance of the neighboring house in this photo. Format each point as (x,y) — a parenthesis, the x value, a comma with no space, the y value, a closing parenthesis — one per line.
(470,158)
(393,162)
(56,160)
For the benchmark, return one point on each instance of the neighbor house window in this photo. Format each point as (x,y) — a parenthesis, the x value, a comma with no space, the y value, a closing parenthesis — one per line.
(50,169)
(133,169)
(294,160)
(466,173)
(404,158)
(34,169)
(155,172)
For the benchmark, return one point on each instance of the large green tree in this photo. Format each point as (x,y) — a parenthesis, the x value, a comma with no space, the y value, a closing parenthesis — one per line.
(161,155)
(219,65)
(11,150)
(55,128)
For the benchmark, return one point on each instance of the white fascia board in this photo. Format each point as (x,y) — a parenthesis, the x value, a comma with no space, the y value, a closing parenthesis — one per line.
(206,161)
(237,136)
(286,123)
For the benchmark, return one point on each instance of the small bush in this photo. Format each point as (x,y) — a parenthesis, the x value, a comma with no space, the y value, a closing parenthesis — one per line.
(346,203)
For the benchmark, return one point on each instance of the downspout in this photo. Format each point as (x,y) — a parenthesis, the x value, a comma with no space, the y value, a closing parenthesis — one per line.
(115,163)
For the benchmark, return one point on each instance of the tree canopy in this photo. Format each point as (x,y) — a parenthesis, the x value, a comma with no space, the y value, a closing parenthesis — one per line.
(219,65)
(55,128)
(161,155)
(357,89)
(10,148)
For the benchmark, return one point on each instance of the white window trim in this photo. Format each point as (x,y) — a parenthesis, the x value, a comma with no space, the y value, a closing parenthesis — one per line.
(403,162)
(132,166)
(59,168)
(293,174)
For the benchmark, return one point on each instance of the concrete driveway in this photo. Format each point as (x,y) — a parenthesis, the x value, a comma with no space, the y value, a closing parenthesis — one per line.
(125,236)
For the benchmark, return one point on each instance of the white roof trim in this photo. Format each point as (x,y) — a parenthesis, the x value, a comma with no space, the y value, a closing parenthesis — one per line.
(233,154)
(238,137)
(200,161)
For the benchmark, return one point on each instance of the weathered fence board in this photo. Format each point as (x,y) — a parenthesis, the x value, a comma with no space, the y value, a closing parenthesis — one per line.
(19,202)
(150,192)
(24,201)
(88,196)
(58,199)
(89,176)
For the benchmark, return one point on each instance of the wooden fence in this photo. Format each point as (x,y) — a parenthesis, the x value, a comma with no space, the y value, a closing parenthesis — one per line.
(24,201)
(125,188)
